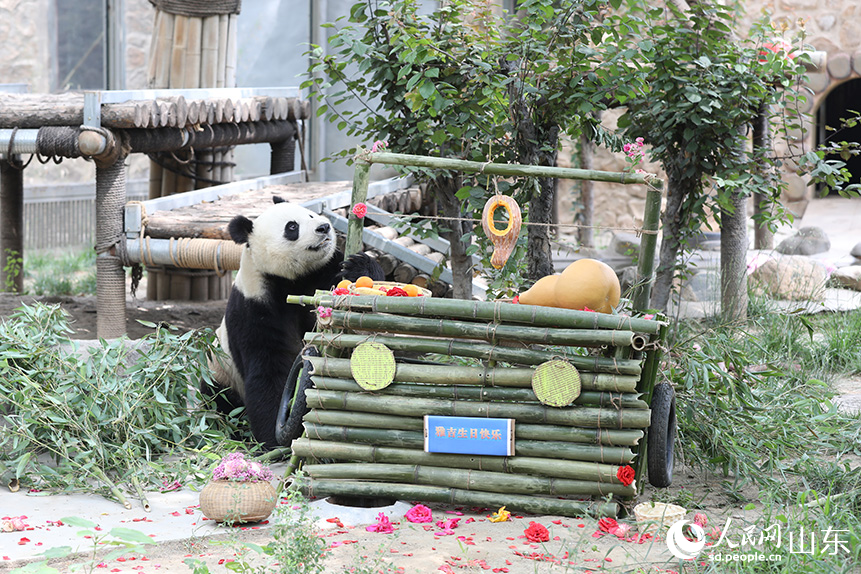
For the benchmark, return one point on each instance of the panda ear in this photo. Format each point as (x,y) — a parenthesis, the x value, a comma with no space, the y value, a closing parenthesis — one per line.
(240,228)
(276,199)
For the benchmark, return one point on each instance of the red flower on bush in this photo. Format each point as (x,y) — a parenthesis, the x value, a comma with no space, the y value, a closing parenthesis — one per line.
(536,533)
(625,474)
(360,210)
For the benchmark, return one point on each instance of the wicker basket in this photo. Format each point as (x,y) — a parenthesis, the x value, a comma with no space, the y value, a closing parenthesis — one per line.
(655,516)
(232,502)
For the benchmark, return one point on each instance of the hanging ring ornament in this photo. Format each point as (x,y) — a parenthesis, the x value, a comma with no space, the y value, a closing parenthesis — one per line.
(503,240)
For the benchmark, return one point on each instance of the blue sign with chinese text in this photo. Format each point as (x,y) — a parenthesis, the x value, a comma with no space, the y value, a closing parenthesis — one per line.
(469,435)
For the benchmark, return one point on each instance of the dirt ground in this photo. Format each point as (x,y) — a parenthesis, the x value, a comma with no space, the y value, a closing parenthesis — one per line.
(476,545)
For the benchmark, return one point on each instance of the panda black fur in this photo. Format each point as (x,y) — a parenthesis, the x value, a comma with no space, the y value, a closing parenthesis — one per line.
(289,250)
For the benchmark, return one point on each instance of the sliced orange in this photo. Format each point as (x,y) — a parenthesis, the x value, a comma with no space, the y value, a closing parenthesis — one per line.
(344,284)
(412,290)
(364,281)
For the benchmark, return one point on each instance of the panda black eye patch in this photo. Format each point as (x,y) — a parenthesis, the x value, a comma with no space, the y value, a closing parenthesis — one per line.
(291,231)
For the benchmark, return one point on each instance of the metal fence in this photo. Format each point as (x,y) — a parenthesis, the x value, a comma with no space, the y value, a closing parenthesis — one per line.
(65,215)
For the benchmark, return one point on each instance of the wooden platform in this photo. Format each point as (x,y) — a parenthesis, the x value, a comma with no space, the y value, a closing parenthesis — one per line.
(209,219)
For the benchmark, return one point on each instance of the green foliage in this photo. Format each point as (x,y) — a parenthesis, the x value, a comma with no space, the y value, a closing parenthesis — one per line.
(752,402)
(12,269)
(65,273)
(72,421)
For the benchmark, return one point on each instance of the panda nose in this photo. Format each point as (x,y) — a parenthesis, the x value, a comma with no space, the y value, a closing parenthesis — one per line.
(323,229)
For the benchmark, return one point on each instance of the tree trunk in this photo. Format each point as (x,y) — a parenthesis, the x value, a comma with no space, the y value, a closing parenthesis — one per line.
(678,187)
(539,257)
(586,233)
(461,266)
(733,263)
(763,236)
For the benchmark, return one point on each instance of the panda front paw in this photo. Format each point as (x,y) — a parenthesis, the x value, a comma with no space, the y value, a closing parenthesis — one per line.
(359,265)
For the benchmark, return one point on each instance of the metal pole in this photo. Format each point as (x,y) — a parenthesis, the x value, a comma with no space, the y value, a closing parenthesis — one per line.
(11,224)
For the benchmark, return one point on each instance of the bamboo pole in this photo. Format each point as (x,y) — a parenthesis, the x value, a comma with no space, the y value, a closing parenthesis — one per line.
(573,469)
(464,479)
(642,294)
(429,391)
(485,331)
(523,447)
(478,351)
(588,417)
(164,49)
(610,437)
(486,376)
(454,496)
(359,195)
(510,170)
(480,311)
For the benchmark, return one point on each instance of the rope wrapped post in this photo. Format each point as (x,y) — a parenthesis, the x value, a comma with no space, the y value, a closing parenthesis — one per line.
(11,223)
(110,276)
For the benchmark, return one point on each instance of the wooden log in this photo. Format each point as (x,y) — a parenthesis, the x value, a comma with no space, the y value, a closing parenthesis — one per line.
(230,62)
(477,350)
(163,50)
(454,496)
(586,417)
(199,288)
(164,280)
(181,111)
(388,262)
(483,376)
(180,287)
(209,52)
(266,111)
(464,479)
(576,470)
(155,174)
(154,61)
(404,241)
(193,112)
(474,393)
(221,63)
(485,331)
(388,232)
(404,273)
(179,48)
(151,284)
(165,113)
(191,76)
(610,437)
(415,199)
(522,447)
(420,248)
(482,310)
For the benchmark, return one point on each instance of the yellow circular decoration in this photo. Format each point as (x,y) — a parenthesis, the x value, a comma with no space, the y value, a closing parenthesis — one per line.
(373,366)
(556,383)
(504,240)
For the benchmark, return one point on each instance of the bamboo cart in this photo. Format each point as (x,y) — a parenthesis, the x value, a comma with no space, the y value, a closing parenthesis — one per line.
(391,383)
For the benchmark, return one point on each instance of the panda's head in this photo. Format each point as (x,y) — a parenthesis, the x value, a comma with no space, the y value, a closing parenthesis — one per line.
(286,240)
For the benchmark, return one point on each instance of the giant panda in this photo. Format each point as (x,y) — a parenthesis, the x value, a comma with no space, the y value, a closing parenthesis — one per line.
(289,250)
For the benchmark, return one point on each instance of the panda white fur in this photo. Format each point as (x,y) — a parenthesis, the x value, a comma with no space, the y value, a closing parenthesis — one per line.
(289,250)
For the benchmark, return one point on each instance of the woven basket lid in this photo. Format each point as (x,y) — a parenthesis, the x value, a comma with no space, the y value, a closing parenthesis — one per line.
(373,366)
(556,383)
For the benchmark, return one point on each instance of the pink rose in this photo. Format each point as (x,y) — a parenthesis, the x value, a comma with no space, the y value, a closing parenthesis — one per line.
(701,519)
(419,514)
(382,526)
(360,210)
(622,530)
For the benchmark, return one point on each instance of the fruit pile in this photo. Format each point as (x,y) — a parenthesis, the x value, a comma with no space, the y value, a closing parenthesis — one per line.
(366,286)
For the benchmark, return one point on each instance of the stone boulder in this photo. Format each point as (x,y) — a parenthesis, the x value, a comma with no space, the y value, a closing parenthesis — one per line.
(849,277)
(807,241)
(856,252)
(791,277)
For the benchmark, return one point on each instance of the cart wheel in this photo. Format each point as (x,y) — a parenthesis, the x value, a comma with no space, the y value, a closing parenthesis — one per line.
(288,426)
(662,436)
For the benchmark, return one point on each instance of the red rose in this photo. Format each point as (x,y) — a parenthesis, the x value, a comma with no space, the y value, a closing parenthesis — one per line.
(397,292)
(625,474)
(608,525)
(360,210)
(536,533)
(341,291)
